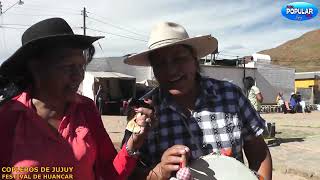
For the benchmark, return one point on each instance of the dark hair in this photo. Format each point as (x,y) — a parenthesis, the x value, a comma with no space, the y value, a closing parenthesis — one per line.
(90,53)
(248,82)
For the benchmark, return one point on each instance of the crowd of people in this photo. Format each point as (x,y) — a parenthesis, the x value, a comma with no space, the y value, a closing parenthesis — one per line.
(46,123)
(294,105)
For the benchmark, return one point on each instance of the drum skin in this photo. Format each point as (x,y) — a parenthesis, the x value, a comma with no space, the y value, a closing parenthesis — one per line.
(218,167)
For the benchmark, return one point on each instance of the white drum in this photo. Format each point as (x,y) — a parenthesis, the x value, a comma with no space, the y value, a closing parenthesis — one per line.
(218,167)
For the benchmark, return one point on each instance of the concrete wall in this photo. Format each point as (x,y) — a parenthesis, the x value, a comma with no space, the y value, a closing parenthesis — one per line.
(226,73)
(270,79)
(276,79)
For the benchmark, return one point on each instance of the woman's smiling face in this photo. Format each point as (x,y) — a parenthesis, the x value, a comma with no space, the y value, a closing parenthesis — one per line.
(59,73)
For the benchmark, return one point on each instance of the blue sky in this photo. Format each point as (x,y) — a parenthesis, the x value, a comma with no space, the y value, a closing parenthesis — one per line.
(242,27)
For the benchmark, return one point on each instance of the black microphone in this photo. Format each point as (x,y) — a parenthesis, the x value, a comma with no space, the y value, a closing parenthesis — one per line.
(134,102)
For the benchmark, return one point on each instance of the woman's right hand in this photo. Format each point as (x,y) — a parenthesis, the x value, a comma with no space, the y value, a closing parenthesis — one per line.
(171,160)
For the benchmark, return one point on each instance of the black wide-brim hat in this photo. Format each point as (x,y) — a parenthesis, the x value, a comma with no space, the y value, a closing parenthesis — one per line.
(46,34)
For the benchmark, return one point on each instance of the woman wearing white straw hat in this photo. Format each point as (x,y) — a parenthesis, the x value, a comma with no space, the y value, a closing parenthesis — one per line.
(196,115)
(45,123)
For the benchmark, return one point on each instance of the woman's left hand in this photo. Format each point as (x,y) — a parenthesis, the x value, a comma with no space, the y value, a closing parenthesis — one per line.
(145,119)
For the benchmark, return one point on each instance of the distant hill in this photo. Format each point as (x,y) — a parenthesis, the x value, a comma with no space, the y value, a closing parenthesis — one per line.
(302,53)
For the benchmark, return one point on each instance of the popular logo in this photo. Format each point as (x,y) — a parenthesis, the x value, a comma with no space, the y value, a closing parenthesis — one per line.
(299,11)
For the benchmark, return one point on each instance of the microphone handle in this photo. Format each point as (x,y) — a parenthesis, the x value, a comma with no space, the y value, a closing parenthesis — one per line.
(149,94)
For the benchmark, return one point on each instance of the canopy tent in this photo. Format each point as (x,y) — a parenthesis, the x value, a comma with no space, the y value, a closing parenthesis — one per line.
(149,83)
(110,75)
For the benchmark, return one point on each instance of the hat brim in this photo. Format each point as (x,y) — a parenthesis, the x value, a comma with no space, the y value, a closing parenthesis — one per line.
(203,45)
(21,55)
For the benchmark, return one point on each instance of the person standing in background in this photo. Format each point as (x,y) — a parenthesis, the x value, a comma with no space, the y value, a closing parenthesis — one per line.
(254,94)
(100,99)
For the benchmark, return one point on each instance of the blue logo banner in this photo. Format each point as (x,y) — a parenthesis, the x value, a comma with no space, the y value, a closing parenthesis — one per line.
(299,11)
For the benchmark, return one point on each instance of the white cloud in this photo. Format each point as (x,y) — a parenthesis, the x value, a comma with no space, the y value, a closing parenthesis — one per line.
(242,27)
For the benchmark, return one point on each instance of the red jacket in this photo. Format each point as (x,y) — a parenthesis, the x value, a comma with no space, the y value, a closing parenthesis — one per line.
(81,141)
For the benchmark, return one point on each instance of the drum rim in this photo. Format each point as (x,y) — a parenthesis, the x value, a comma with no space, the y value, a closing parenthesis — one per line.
(217,156)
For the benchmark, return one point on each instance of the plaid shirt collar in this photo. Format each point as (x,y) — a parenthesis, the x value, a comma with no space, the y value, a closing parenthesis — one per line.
(207,93)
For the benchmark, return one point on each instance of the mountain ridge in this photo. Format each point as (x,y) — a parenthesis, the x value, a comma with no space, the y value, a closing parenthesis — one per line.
(302,53)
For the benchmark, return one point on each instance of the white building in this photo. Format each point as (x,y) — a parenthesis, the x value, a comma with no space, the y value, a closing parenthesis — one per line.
(271,79)
(257,58)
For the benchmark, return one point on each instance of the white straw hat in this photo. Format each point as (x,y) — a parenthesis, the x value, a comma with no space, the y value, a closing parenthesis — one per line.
(168,34)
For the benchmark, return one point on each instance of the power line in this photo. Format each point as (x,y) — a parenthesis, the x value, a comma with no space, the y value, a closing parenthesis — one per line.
(76,27)
(102,17)
(20,2)
(97,20)
(51,11)
(116,26)
(132,38)
(18,14)
(8,27)
(15,25)
(36,4)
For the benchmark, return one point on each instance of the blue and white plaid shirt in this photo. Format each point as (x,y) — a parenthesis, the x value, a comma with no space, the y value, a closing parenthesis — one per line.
(223,118)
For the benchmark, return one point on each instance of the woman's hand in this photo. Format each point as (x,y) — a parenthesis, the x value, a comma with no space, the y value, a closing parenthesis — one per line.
(171,161)
(144,119)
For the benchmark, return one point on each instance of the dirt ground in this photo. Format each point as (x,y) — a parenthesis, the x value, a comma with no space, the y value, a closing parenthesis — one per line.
(296,153)
(295,133)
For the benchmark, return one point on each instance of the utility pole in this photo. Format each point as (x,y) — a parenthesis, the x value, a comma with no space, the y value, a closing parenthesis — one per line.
(243,60)
(84,13)
(20,2)
(0,8)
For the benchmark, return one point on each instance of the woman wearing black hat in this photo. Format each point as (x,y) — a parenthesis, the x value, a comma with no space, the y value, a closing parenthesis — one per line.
(44,122)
